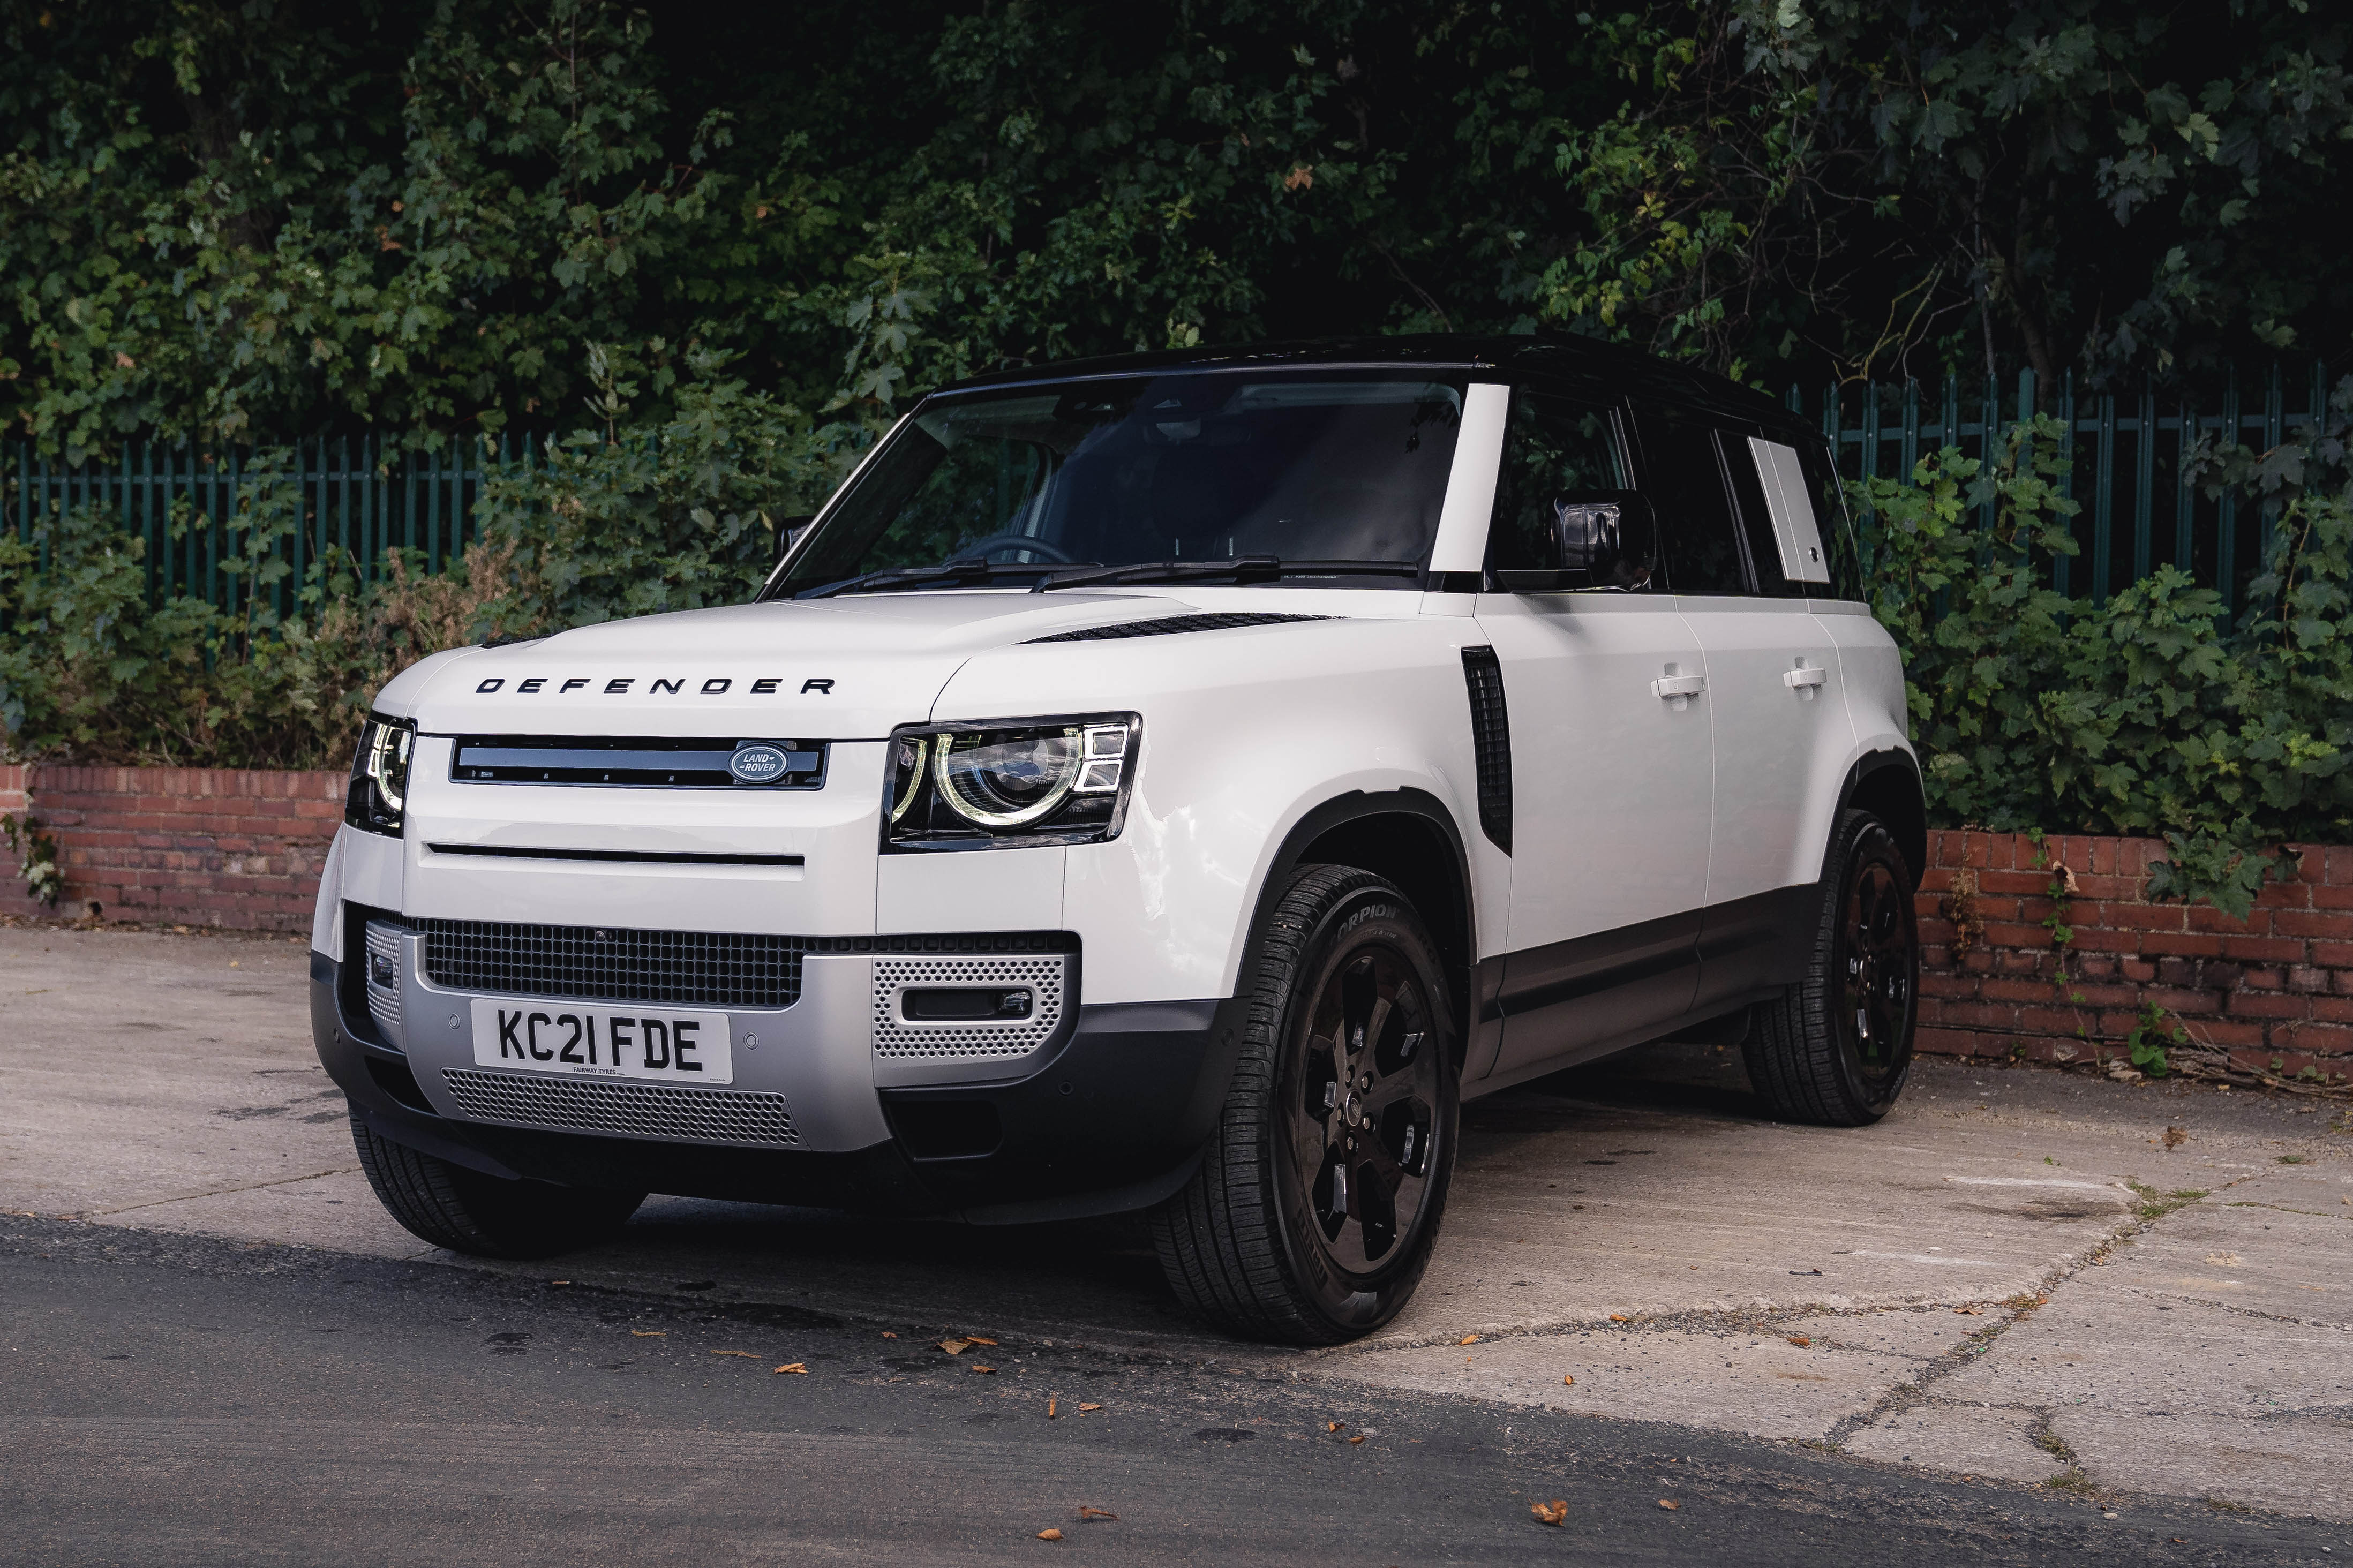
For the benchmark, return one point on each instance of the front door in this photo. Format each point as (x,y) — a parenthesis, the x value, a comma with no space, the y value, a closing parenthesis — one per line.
(1610,778)
(1611,759)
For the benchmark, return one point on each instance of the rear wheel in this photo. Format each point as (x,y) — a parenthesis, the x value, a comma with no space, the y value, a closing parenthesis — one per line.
(1836,1047)
(488,1217)
(1312,1218)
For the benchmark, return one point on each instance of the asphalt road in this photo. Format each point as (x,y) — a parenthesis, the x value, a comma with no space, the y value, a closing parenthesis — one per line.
(175,1399)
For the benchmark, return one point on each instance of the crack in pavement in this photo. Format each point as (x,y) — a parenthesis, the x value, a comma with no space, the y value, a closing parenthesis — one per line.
(211,1192)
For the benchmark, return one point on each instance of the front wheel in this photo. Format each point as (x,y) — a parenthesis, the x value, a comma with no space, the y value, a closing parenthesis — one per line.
(488,1217)
(1312,1218)
(1836,1047)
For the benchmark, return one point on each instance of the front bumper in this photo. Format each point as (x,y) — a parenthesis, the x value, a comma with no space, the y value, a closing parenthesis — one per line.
(1108,1114)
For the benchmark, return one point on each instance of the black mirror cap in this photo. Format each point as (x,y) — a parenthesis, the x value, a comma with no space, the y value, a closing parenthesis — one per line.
(1601,539)
(789,531)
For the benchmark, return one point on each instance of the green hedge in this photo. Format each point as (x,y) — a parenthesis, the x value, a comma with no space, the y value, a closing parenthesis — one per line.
(2150,714)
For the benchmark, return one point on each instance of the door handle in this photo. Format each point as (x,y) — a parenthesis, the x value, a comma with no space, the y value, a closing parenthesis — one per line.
(1804,676)
(1675,686)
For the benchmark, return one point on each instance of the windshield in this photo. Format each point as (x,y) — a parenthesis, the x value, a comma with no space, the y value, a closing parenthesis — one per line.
(1191,473)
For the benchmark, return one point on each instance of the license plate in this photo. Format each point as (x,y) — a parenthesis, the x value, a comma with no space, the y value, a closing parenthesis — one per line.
(663,1044)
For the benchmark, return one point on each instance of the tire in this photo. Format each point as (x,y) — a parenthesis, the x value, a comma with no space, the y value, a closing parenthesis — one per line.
(487,1216)
(1312,1215)
(1835,1049)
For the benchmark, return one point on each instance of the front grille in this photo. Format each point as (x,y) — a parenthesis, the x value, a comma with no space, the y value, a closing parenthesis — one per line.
(646,1110)
(660,761)
(1166,624)
(609,963)
(897,1036)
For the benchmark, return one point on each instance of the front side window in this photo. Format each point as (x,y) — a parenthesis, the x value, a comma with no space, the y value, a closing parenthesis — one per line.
(1303,477)
(1553,447)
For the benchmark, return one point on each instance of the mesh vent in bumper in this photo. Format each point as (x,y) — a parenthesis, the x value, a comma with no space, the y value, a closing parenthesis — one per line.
(717,969)
(646,1110)
(384,996)
(895,1036)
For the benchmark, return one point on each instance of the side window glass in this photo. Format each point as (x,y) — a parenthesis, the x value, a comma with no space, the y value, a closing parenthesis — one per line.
(1553,447)
(1698,539)
(1831,517)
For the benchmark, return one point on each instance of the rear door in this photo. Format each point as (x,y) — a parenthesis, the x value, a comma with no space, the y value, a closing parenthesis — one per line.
(1781,734)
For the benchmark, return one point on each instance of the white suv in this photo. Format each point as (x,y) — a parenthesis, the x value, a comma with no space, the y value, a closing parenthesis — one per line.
(1165,784)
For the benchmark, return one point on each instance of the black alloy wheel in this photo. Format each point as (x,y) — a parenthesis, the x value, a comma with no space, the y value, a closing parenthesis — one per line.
(1364,1107)
(1315,1207)
(1836,1046)
(1879,943)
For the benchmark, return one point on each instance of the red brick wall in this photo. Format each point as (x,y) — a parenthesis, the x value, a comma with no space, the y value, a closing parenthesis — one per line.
(2271,994)
(217,846)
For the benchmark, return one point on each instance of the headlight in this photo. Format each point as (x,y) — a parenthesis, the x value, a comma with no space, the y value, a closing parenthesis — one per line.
(379,789)
(978,787)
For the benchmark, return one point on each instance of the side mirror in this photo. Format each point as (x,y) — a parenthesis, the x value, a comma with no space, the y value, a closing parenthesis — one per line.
(789,531)
(1598,539)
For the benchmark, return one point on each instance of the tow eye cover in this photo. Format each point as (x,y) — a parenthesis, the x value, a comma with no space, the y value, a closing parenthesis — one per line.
(757,765)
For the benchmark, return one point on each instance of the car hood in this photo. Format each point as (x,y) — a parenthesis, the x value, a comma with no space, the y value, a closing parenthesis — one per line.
(842,668)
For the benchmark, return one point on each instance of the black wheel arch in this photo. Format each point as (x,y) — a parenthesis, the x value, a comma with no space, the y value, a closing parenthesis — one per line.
(1409,838)
(1888,785)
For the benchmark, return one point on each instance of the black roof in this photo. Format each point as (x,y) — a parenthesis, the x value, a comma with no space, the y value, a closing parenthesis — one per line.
(1581,365)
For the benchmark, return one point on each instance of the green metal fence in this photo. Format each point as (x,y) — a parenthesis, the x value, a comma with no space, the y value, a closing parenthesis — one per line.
(2124,463)
(356,497)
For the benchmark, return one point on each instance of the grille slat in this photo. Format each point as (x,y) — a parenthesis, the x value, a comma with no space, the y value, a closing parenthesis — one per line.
(718,969)
(649,1110)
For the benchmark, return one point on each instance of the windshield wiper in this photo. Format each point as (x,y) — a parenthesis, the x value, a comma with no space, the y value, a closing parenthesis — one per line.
(952,571)
(1239,567)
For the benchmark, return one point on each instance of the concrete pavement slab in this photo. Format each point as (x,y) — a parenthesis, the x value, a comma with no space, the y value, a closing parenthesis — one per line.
(1975,1441)
(167,1082)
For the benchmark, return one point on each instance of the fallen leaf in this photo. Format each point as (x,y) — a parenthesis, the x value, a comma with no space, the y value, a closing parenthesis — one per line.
(1334,1425)
(1969,1311)
(1802,1342)
(889,1335)
(977,1367)
(978,1340)
(1089,1515)
(1619,1318)
(1049,1410)
(2174,1137)
(794,1366)
(1357,1438)
(1468,1340)
(1668,1503)
(747,1355)
(956,1347)
(1084,1409)
(1050,1535)
(559,1283)
(1565,1378)
(650,1333)
(1553,1513)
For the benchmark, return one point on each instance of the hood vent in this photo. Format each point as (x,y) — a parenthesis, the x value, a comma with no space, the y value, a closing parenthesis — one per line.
(1166,625)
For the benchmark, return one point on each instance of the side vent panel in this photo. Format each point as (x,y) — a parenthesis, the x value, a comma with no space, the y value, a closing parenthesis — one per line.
(1491,742)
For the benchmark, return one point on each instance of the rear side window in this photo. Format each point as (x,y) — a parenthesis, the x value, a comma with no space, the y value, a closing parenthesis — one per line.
(1837,526)
(1737,456)
(1698,537)
(1552,446)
